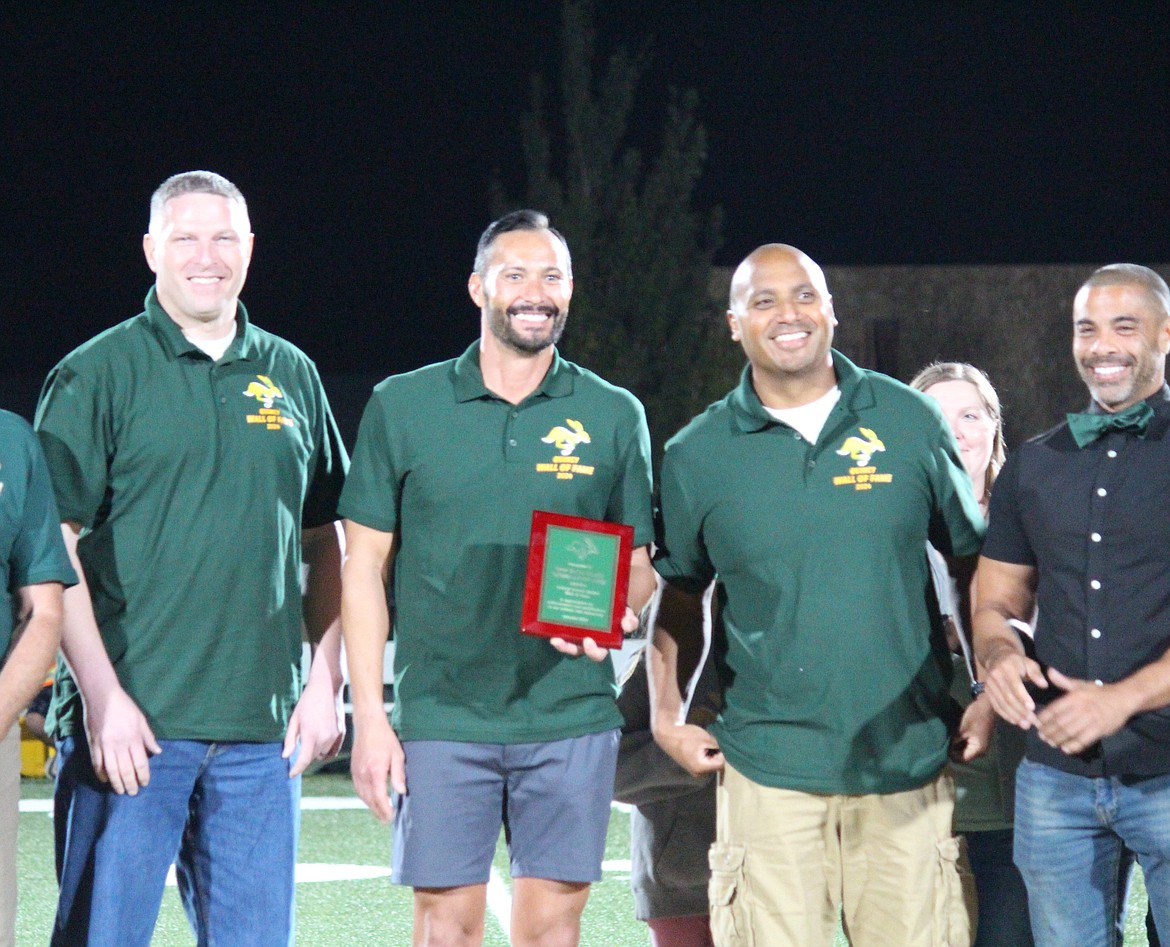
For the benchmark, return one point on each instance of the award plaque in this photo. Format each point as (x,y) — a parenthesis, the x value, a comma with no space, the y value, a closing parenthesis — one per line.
(578,577)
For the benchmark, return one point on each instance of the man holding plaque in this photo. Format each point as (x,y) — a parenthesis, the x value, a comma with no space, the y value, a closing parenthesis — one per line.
(450,465)
(811,491)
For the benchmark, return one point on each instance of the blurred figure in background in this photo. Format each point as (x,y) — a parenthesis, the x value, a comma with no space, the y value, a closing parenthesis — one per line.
(34,569)
(986,754)
(672,824)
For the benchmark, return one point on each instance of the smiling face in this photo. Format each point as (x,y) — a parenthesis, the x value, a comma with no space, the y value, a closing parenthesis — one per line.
(1120,340)
(782,314)
(971,421)
(524,289)
(199,249)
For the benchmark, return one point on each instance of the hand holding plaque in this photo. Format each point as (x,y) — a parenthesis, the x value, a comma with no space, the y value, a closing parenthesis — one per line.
(578,578)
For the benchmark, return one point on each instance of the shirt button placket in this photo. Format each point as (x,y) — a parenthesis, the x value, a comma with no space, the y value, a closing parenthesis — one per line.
(510,432)
(1097,566)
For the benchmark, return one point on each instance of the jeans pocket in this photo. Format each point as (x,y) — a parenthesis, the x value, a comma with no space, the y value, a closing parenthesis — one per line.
(952,921)
(725,893)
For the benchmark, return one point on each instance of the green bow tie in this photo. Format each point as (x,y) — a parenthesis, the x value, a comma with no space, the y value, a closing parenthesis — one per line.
(1086,428)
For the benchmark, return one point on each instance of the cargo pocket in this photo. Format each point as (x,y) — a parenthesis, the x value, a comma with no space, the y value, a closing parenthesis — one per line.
(725,892)
(953,925)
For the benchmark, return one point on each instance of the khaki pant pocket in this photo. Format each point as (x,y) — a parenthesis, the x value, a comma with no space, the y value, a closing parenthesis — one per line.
(953,924)
(725,892)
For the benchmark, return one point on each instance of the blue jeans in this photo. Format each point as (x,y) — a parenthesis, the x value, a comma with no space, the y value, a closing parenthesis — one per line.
(1003,901)
(227,816)
(1070,836)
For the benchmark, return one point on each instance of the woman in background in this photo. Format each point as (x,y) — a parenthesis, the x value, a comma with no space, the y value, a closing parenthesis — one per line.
(984,787)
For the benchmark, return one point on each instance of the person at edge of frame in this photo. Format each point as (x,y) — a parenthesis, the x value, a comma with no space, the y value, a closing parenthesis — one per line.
(1075,535)
(34,571)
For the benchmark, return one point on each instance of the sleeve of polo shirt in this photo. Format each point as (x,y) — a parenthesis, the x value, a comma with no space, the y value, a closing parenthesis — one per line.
(38,551)
(327,464)
(632,498)
(76,429)
(1007,540)
(681,556)
(957,524)
(371,490)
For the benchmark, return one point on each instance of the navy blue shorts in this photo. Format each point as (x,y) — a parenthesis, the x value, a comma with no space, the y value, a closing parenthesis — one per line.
(551,798)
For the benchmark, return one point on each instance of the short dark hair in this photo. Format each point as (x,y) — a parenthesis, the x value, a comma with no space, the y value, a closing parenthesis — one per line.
(1133,274)
(517,220)
(193,182)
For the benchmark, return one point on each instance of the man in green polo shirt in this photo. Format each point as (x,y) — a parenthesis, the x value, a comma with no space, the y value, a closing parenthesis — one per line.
(811,491)
(196,466)
(450,463)
(34,568)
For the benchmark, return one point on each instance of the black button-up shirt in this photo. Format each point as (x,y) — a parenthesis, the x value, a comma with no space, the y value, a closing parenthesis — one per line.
(1094,522)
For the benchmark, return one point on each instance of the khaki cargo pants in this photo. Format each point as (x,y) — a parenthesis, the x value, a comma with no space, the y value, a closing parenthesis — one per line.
(786,865)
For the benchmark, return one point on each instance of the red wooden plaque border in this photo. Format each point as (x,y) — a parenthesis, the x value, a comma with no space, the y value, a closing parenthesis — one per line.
(530,624)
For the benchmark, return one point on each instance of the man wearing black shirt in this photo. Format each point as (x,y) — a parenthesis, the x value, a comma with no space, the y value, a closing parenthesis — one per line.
(1078,529)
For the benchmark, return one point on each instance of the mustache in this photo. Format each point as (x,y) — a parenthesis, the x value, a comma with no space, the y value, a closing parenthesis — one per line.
(1108,360)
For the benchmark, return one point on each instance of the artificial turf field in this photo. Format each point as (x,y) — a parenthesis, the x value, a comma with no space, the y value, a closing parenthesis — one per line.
(367,910)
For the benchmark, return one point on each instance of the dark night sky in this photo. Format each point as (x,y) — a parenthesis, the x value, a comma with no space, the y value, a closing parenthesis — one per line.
(364,140)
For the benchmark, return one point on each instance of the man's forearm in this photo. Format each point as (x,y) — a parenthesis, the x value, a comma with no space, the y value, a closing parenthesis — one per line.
(32,654)
(643,580)
(1147,688)
(662,669)
(81,639)
(322,601)
(993,636)
(678,621)
(366,625)
(1004,592)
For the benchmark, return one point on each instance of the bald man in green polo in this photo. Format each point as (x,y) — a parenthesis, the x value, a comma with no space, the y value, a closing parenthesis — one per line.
(811,491)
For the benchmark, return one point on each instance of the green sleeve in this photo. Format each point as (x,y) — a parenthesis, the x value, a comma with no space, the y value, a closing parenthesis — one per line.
(76,429)
(38,552)
(371,494)
(327,464)
(632,498)
(681,556)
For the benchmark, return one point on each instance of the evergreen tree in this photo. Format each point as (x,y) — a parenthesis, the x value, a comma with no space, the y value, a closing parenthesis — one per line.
(642,313)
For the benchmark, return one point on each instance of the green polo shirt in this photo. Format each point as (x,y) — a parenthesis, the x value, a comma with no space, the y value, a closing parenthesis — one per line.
(192,480)
(835,679)
(31,548)
(455,472)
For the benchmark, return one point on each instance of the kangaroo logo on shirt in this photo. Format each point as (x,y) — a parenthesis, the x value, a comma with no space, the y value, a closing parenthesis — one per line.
(265,391)
(567,438)
(860,450)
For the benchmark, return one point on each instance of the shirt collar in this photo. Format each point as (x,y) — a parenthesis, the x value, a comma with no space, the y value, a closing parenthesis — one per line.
(176,344)
(467,377)
(748,411)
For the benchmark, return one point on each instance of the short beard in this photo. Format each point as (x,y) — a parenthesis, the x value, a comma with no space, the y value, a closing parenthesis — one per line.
(1112,398)
(500,323)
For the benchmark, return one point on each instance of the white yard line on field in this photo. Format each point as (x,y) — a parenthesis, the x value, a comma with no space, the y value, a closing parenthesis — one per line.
(499,899)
